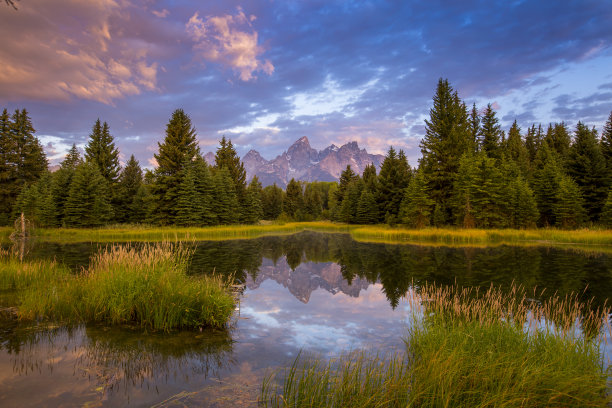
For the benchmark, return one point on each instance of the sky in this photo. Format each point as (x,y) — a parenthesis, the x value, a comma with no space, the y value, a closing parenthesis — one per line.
(266,72)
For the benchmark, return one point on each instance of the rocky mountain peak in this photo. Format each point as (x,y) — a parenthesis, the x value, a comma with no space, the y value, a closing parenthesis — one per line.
(302,162)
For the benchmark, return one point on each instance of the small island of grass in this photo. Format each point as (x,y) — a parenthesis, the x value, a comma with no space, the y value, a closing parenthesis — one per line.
(147,286)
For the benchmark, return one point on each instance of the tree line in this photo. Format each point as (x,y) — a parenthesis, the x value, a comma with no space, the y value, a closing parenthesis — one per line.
(94,190)
(471,174)
(474,175)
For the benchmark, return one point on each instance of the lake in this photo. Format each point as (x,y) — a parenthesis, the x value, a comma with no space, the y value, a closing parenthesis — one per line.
(311,292)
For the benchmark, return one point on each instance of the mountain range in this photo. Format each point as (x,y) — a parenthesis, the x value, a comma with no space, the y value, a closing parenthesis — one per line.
(304,163)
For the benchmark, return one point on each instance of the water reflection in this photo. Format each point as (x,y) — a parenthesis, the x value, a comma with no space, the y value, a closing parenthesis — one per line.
(99,365)
(396,267)
(316,292)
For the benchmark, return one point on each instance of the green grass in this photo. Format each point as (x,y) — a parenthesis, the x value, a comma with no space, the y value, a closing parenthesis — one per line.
(148,286)
(364,233)
(465,349)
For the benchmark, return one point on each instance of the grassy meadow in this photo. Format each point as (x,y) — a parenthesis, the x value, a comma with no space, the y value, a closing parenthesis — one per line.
(363,233)
(465,349)
(147,286)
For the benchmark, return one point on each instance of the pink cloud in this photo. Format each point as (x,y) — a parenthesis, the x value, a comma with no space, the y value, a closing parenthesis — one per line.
(231,41)
(161,14)
(72,49)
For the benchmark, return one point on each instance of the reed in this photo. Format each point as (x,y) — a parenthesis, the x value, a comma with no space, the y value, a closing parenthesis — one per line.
(466,349)
(147,286)
(353,380)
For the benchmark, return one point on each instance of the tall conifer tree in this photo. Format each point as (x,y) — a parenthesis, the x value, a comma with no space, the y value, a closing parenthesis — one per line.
(293,201)
(101,151)
(130,182)
(447,138)
(392,181)
(515,149)
(272,202)
(586,165)
(88,201)
(22,159)
(178,148)
(417,206)
(253,210)
(490,133)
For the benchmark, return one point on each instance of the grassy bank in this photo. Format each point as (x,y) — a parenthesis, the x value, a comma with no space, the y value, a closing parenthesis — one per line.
(365,233)
(147,286)
(465,350)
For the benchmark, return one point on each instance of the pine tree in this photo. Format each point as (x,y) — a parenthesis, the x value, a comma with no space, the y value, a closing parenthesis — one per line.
(179,147)
(392,181)
(367,209)
(129,184)
(312,201)
(205,188)
(186,206)
(272,202)
(369,177)
(350,203)
(227,157)
(533,142)
(558,138)
(465,191)
(88,202)
(586,165)
(61,180)
(293,201)
(447,138)
(226,199)
(101,151)
(478,192)
(490,133)
(474,127)
(253,210)
(522,203)
(547,177)
(569,209)
(72,159)
(417,206)
(516,149)
(22,159)
(36,202)
(8,174)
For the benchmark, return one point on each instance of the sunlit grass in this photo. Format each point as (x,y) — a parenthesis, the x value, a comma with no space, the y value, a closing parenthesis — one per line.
(466,349)
(143,233)
(148,286)
(363,233)
(542,236)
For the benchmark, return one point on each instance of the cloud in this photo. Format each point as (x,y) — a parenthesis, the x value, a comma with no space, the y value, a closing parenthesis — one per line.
(231,41)
(161,14)
(72,49)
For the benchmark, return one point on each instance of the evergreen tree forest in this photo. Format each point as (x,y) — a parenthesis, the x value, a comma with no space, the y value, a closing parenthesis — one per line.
(472,174)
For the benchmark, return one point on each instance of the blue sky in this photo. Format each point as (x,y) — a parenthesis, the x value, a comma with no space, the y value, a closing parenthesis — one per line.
(265,73)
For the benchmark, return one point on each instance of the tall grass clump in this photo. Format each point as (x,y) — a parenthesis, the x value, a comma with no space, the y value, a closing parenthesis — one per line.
(353,380)
(500,349)
(147,286)
(18,276)
(467,349)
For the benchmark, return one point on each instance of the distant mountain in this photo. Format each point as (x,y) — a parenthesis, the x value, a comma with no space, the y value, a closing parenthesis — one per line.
(302,162)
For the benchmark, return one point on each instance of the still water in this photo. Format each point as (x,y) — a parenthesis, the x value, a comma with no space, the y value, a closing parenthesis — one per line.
(320,293)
